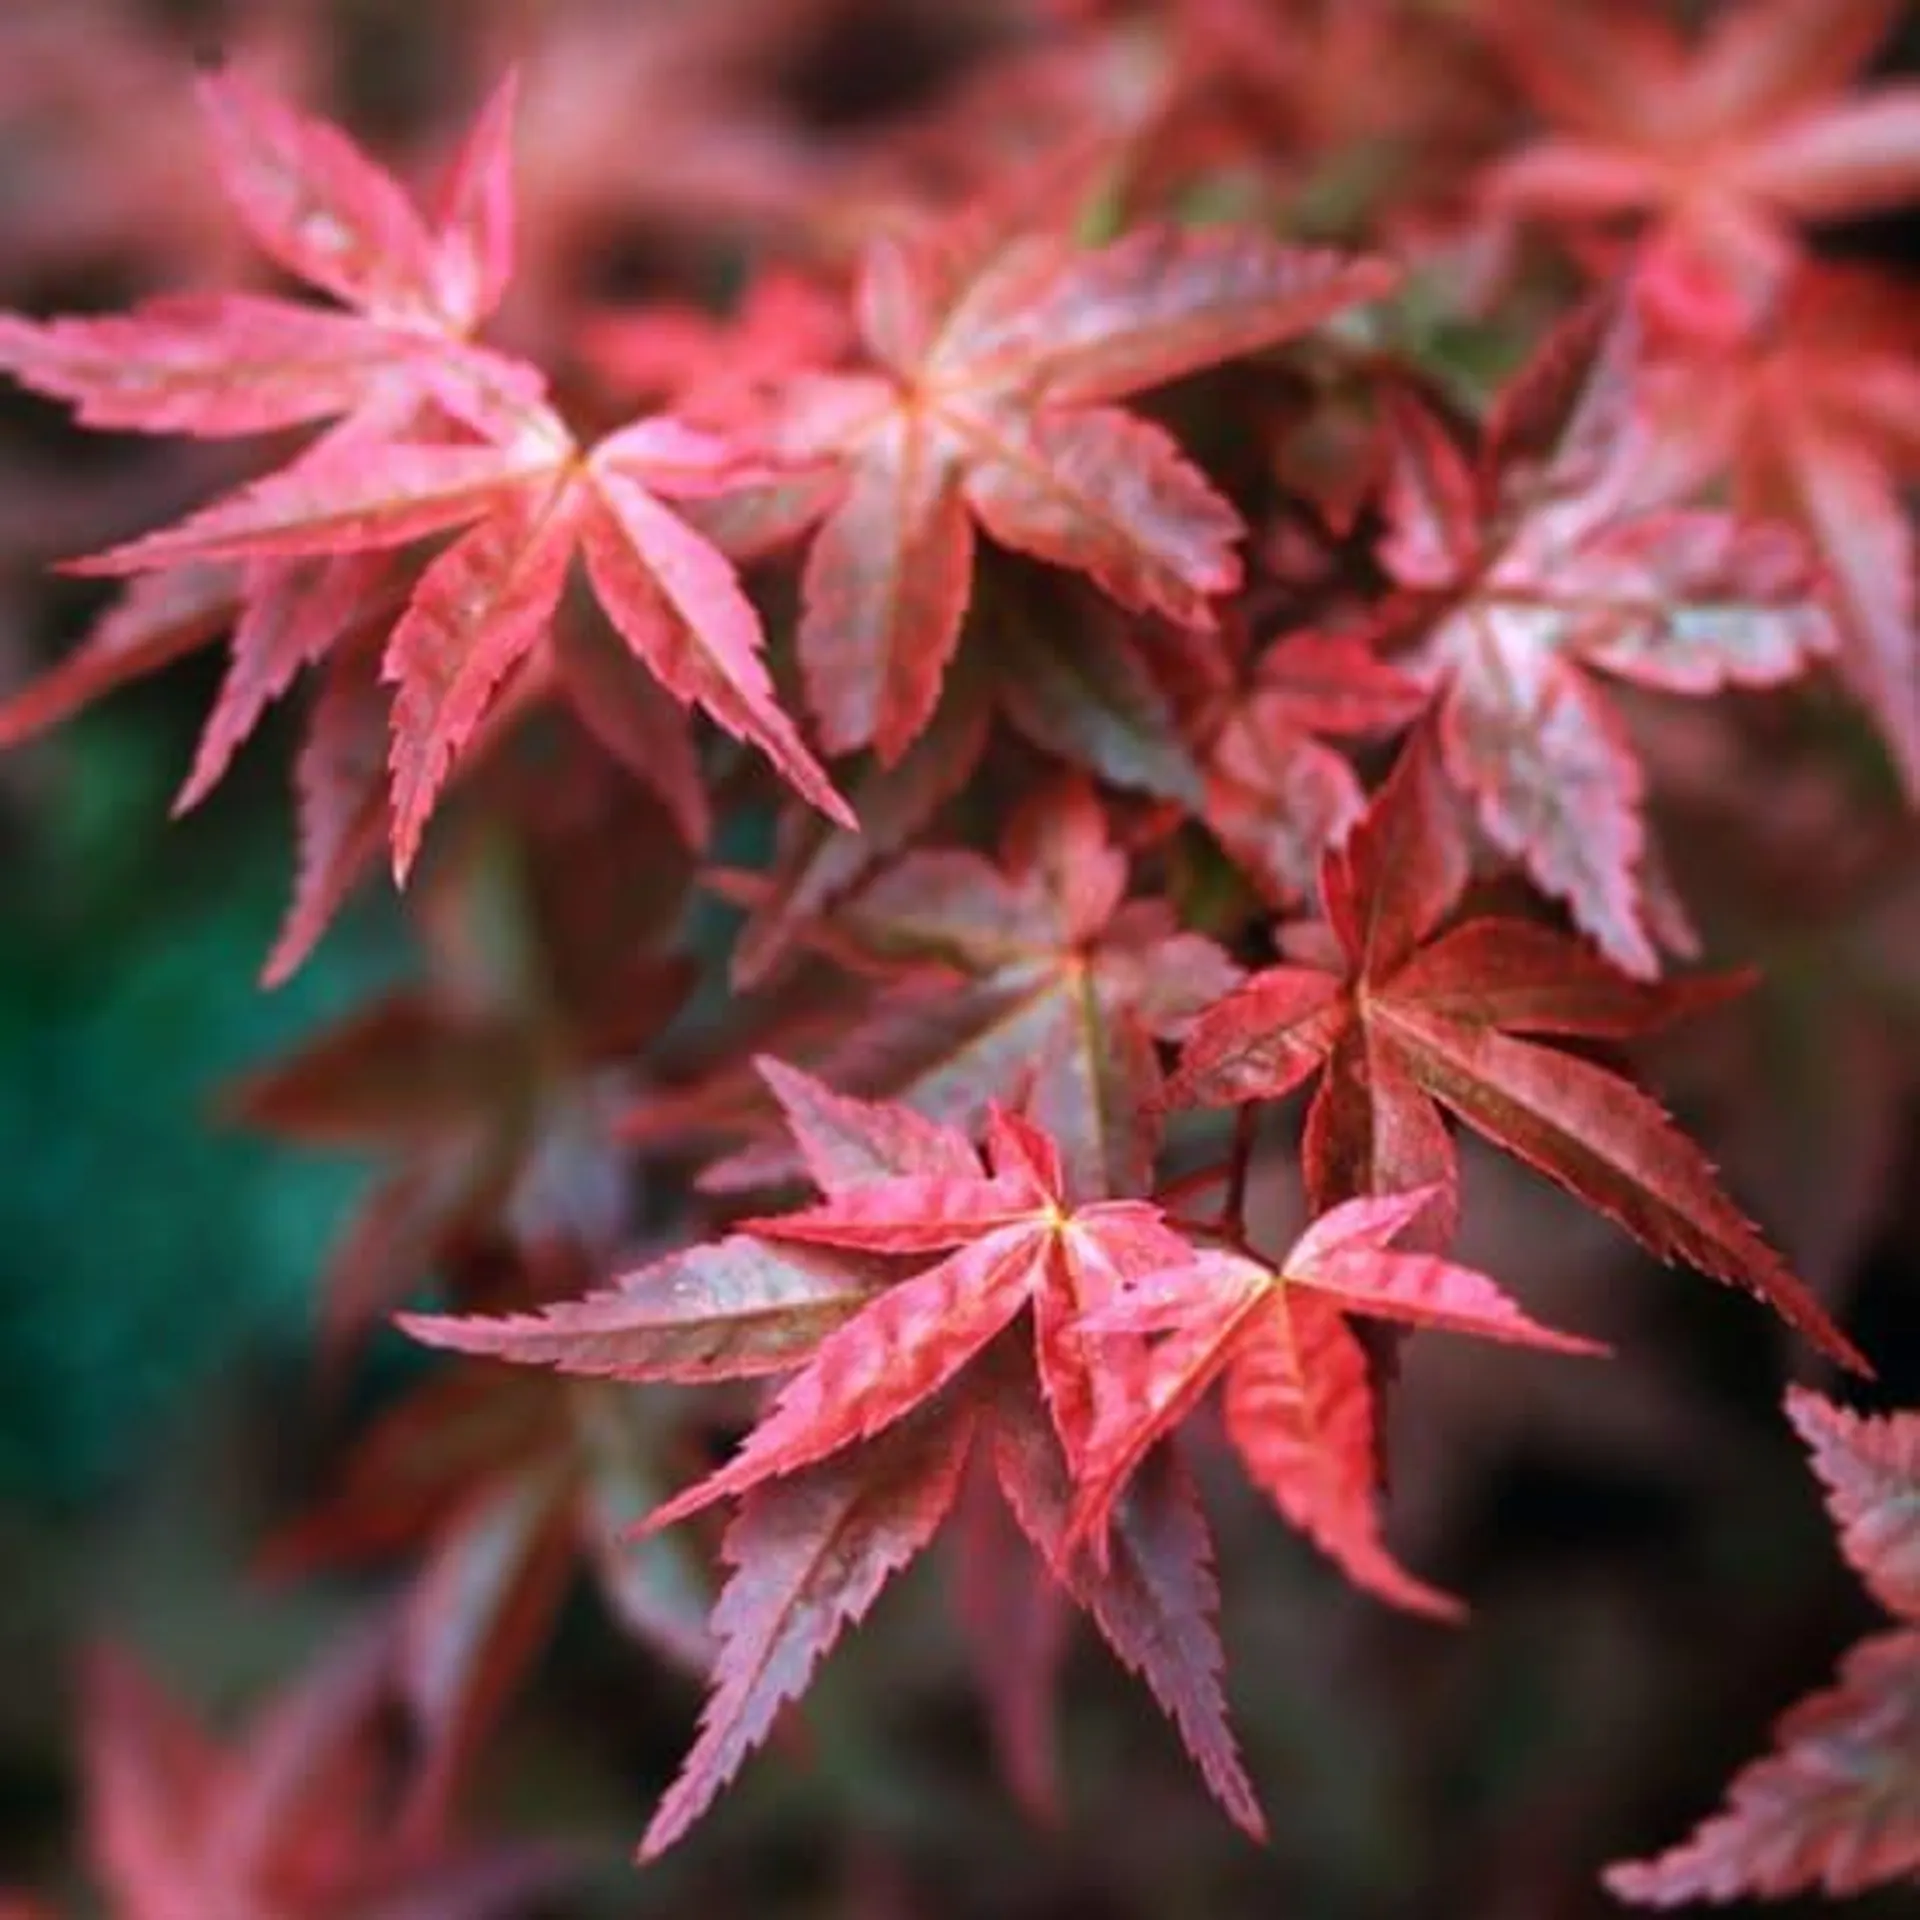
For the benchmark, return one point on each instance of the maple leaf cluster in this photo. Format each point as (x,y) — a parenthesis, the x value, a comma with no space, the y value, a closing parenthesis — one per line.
(1172,675)
(1837,1807)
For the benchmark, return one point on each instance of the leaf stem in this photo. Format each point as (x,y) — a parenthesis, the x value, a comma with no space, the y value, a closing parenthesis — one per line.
(1239,1165)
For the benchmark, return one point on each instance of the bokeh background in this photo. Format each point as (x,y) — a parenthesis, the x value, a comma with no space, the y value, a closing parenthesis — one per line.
(1651,1577)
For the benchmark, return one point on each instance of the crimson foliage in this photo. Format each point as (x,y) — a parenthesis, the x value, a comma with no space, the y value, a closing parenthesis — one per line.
(1097,568)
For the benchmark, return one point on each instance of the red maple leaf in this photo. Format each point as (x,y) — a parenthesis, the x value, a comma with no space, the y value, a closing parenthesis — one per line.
(486,1093)
(432,435)
(1036,980)
(1401,1020)
(816,865)
(1299,1403)
(530,498)
(499,1487)
(236,364)
(293,1820)
(997,356)
(1277,795)
(1547,566)
(1009,1242)
(340,801)
(410,291)
(1814,418)
(1836,1806)
(1727,146)
(861,1454)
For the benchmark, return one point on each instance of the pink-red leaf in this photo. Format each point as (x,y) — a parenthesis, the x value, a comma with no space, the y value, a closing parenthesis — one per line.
(809,1556)
(210,365)
(1154,1602)
(733,1310)
(897,1353)
(1110,495)
(677,602)
(853,1143)
(153,622)
(315,203)
(340,791)
(994,353)
(885,590)
(1871,1471)
(1835,1809)
(293,614)
(479,609)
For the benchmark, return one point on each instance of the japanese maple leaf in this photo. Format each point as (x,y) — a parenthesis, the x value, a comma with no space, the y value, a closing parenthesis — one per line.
(996,360)
(860,1455)
(291,1821)
(409,290)
(499,1487)
(488,1091)
(529,498)
(340,802)
(1277,794)
(1546,570)
(1727,147)
(1299,1403)
(410,293)
(1815,418)
(1057,987)
(817,866)
(1068,672)
(1009,1241)
(443,437)
(1401,1020)
(1835,1808)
